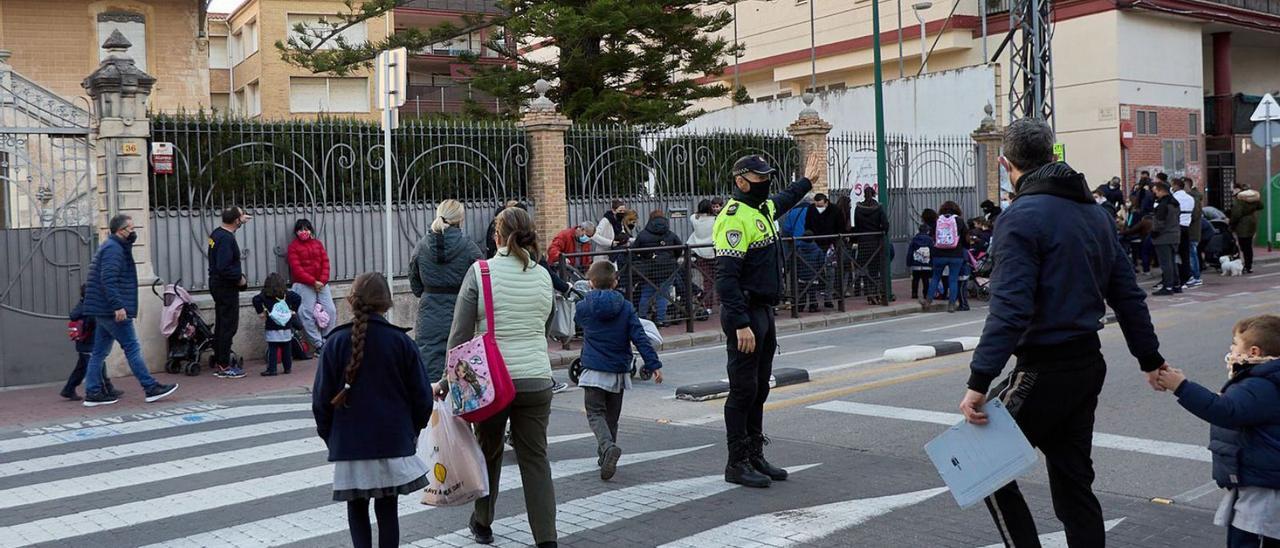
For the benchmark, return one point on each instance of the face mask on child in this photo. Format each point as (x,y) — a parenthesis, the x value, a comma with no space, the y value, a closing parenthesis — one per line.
(304,235)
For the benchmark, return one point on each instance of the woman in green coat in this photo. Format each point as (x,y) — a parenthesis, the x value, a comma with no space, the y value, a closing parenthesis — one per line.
(440,262)
(1244,222)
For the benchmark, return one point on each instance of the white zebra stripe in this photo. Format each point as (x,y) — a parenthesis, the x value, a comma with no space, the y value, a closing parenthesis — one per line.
(801,525)
(331,518)
(141,475)
(96,456)
(600,510)
(148,425)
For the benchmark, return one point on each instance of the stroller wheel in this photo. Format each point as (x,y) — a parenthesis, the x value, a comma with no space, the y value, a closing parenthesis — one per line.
(575,370)
(173,367)
(192,369)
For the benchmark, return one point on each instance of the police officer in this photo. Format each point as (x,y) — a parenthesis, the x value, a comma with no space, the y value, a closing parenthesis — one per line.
(749,281)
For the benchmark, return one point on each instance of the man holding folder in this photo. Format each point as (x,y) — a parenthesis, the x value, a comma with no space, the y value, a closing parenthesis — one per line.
(1058,265)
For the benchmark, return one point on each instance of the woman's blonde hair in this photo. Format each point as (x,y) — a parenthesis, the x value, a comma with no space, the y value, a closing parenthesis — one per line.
(515,231)
(449,212)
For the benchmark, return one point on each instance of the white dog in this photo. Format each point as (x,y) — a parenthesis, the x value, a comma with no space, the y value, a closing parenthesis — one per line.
(1231,267)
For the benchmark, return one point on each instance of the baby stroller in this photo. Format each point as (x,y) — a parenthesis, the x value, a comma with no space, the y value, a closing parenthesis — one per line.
(188,335)
(979,283)
(655,338)
(1221,244)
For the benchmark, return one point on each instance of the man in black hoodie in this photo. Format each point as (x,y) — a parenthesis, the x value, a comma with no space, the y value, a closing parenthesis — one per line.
(226,281)
(657,269)
(1059,265)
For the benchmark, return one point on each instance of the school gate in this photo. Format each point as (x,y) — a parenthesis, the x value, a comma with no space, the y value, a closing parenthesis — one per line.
(46,241)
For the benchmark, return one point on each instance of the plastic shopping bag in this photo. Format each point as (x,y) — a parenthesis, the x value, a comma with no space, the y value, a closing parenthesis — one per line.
(455,465)
(562,327)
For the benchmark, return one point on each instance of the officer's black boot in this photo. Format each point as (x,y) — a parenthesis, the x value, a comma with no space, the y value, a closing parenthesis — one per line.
(756,448)
(739,469)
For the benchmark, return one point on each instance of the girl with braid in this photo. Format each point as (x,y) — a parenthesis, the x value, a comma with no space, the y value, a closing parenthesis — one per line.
(371,399)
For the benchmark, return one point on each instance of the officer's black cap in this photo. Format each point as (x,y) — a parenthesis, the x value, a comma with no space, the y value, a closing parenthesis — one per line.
(753,164)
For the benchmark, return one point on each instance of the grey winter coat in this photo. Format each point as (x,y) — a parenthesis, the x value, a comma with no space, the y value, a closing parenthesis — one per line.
(440,262)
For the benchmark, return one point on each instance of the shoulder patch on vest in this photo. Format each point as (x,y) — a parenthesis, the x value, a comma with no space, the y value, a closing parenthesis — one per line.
(734,237)
(760,225)
(733,208)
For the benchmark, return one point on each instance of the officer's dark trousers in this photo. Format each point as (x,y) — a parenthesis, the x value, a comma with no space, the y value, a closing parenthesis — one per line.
(749,380)
(1053,403)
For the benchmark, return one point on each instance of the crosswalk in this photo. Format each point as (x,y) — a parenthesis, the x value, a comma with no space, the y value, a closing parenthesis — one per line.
(151,481)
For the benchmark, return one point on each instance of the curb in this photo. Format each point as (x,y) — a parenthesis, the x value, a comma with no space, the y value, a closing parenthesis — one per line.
(719,389)
(925,351)
(562,358)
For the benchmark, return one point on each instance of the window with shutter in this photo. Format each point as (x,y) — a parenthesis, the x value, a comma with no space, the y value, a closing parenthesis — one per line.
(349,95)
(307,94)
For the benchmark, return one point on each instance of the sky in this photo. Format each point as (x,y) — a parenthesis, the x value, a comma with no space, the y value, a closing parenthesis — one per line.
(224,6)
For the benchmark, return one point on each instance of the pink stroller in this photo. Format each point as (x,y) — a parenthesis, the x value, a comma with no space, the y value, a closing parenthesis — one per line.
(189,336)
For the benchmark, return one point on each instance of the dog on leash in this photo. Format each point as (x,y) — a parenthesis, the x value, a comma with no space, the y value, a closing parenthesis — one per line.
(1231,267)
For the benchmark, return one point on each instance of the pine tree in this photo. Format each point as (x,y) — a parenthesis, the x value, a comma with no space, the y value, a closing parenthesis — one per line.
(623,61)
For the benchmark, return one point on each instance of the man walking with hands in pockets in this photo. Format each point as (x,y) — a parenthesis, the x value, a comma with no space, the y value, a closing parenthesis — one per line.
(749,283)
(1059,265)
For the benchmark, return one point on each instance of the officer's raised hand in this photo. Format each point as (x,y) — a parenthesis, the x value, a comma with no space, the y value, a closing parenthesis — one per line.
(746,340)
(815,166)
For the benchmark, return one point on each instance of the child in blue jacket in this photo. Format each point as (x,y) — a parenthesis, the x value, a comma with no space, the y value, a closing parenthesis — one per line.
(609,327)
(1244,432)
(83,339)
(918,261)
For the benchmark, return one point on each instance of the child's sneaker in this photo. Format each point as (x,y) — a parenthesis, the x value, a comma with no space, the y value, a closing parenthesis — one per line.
(99,398)
(609,462)
(70,395)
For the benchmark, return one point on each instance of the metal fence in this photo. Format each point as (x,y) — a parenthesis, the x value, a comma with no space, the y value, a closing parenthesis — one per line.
(330,173)
(676,284)
(670,170)
(922,174)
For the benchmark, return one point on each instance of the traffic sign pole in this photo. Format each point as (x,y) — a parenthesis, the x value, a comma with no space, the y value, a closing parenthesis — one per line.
(1271,233)
(386,169)
(1267,111)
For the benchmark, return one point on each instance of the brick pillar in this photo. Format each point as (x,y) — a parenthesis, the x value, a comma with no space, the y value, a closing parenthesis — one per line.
(546,129)
(810,133)
(989,137)
(119,90)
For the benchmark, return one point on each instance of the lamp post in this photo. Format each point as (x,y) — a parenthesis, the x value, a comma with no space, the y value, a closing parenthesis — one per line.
(882,182)
(924,44)
(813,51)
(901,62)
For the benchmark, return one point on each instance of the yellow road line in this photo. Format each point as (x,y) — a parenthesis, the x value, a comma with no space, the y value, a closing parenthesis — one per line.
(841,392)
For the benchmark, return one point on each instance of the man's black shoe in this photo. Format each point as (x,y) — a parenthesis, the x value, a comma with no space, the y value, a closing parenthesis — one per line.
(481,534)
(160,391)
(756,458)
(99,398)
(115,392)
(742,473)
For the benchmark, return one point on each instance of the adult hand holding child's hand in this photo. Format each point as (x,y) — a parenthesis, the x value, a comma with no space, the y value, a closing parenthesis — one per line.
(1171,378)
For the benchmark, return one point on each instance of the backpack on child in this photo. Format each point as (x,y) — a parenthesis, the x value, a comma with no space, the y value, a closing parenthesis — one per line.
(281,313)
(947,233)
(79,331)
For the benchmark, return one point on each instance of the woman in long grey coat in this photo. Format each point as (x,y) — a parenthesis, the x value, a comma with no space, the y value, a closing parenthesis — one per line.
(440,262)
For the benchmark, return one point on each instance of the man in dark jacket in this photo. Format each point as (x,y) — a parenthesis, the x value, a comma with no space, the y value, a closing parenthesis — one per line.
(1166,236)
(226,281)
(1055,282)
(111,298)
(657,269)
(749,281)
(870,223)
(824,220)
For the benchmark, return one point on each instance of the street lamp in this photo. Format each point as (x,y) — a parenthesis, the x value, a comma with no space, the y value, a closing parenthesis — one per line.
(924,46)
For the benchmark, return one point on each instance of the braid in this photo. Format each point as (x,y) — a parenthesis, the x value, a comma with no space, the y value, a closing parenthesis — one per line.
(358,330)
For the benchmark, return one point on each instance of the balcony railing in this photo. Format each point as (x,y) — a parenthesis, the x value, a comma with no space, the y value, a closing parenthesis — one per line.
(461,6)
(1271,7)
(444,99)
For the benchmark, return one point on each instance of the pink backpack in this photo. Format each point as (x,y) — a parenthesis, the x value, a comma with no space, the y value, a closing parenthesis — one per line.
(479,384)
(947,235)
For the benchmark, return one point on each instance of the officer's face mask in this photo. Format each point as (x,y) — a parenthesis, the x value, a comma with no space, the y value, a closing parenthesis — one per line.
(758,191)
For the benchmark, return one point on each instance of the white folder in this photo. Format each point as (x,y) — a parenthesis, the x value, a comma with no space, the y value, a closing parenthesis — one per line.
(975,461)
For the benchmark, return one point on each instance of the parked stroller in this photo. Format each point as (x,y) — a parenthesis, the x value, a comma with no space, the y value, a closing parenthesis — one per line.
(979,283)
(1221,244)
(188,335)
(655,338)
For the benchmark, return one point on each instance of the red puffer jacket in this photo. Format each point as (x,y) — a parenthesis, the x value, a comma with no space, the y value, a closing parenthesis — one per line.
(308,262)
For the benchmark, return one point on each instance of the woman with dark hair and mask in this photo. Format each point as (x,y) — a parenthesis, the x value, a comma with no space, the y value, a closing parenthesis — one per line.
(309,270)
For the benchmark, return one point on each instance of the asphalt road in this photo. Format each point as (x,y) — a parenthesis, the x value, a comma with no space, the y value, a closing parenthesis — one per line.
(252,473)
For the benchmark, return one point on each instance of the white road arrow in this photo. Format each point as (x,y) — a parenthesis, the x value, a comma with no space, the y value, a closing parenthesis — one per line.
(802,525)
(1059,539)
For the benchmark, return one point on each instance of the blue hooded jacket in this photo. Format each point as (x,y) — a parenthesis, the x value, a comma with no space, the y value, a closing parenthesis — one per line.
(1058,264)
(609,327)
(112,283)
(1244,435)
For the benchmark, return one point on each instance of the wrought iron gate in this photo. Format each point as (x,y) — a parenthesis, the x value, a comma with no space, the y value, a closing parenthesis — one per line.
(46,239)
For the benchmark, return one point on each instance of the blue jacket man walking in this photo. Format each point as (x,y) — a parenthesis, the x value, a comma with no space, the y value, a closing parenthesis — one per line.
(111,299)
(1058,265)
